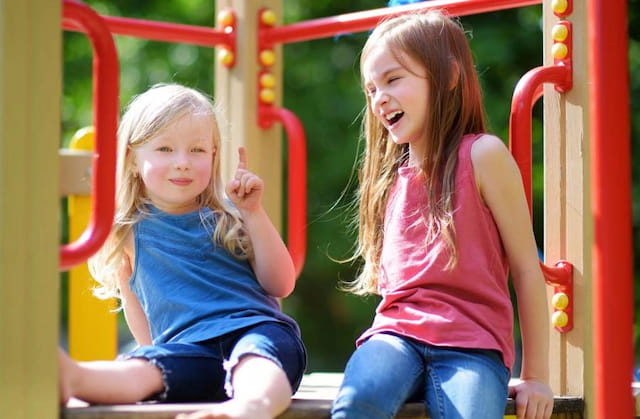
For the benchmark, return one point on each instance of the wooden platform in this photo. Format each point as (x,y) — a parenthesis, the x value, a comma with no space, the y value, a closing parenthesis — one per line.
(312,401)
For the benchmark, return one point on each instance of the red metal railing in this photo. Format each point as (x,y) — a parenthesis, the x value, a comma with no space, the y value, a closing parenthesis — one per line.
(527,92)
(612,259)
(164,31)
(105,117)
(297,179)
(365,20)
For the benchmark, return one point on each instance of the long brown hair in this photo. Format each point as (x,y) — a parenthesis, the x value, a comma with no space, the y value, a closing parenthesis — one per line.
(439,43)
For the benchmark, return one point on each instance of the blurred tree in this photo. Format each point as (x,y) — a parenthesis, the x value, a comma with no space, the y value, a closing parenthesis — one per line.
(321,85)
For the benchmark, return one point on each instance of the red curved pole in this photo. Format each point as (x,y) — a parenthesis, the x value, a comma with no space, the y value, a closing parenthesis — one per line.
(297,179)
(105,119)
(526,93)
(365,20)
(163,31)
(612,258)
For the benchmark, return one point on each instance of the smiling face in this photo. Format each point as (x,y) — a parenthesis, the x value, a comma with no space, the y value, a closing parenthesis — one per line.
(176,164)
(398,95)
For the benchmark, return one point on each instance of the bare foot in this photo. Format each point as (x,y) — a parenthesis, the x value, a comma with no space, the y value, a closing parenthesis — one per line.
(232,409)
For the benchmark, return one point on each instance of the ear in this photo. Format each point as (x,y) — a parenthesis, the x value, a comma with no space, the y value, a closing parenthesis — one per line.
(455,74)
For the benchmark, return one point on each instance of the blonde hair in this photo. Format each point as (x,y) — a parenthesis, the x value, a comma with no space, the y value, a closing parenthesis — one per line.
(455,108)
(145,117)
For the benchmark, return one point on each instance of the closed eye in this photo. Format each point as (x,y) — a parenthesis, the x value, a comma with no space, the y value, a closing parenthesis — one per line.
(164,149)
(199,150)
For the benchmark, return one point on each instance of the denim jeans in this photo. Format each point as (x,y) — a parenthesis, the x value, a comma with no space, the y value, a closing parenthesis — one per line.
(454,383)
(199,372)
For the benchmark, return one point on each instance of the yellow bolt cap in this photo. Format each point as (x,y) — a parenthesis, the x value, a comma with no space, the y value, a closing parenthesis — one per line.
(559,319)
(559,6)
(226,18)
(559,33)
(226,57)
(268,17)
(267,80)
(559,51)
(560,300)
(267,96)
(267,57)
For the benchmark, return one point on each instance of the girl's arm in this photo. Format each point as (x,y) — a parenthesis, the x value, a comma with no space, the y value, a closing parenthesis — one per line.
(272,262)
(133,313)
(500,185)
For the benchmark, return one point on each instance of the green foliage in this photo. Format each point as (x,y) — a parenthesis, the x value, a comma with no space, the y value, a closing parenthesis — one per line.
(321,85)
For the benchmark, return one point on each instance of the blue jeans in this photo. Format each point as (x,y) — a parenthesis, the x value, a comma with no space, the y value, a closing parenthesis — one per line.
(387,371)
(199,372)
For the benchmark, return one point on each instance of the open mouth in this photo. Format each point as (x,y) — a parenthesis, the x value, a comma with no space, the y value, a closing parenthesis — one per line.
(394,117)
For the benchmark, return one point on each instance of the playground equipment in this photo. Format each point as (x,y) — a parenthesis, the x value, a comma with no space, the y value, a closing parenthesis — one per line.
(595,367)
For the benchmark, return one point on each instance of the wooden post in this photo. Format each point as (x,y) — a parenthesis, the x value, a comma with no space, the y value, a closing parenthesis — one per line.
(30,89)
(236,90)
(567,215)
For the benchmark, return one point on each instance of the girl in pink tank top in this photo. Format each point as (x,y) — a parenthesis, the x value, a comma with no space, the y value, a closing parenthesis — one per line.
(443,220)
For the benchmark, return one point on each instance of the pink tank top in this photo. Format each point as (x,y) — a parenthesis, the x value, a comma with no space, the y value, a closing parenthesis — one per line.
(467,307)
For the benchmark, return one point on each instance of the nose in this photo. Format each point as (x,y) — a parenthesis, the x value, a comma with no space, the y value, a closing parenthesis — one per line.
(379,98)
(181,161)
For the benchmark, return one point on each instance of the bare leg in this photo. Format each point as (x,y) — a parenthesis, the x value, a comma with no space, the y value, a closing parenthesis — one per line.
(261,390)
(107,382)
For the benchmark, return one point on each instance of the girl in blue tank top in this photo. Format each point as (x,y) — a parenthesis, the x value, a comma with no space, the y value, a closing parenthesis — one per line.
(198,269)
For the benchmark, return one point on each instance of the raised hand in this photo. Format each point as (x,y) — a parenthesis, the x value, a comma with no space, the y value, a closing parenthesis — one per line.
(245,189)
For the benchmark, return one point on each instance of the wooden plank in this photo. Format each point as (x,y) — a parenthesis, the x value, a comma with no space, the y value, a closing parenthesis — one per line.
(312,401)
(567,216)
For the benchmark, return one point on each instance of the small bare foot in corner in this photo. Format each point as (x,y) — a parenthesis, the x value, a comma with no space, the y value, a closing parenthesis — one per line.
(232,409)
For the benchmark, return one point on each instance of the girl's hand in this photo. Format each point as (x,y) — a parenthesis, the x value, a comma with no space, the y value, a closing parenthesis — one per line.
(534,399)
(245,189)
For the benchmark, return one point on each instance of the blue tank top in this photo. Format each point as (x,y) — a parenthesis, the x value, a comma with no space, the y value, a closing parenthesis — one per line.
(190,288)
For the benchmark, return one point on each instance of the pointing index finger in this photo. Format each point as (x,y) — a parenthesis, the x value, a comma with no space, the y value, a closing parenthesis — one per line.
(242,154)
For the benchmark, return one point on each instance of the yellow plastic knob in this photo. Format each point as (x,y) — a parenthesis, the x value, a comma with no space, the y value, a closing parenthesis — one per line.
(559,319)
(226,57)
(559,33)
(267,57)
(267,80)
(559,6)
(268,17)
(559,51)
(226,18)
(267,96)
(83,139)
(560,300)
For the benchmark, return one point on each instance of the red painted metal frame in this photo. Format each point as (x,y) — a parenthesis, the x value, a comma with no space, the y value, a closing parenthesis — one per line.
(527,92)
(365,20)
(297,178)
(105,117)
(166,32)
(612,259)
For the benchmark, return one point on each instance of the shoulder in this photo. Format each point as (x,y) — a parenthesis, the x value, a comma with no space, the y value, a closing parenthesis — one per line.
(488,147)
(492,162)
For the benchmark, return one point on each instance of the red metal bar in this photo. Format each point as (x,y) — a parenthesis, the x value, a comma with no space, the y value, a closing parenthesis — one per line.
(105,118)
(611,251)
(297,179)
(365,20)
(526,93)
(164,31)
